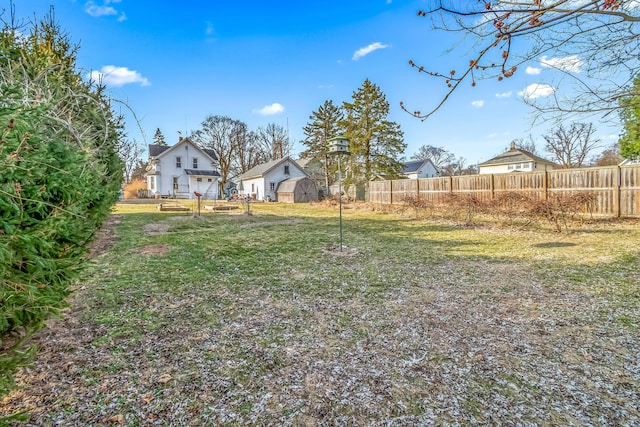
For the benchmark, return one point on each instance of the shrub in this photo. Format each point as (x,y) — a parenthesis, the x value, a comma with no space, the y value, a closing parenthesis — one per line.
(60,177)
(131,189)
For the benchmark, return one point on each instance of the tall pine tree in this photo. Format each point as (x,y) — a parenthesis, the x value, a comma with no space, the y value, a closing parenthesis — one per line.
(158,138)
(376,143)
(324,124)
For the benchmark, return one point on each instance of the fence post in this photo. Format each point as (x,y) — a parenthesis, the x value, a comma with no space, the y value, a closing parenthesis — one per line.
(491,186)
(616,195)
(545,184)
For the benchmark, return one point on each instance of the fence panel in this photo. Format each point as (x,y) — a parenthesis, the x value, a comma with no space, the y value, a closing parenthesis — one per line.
(480,186)
(531,185)
(629,193)
(434,190)
(615,190)
(599,183)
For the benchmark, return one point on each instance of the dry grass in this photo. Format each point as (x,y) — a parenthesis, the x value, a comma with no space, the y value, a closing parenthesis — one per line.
(253,320)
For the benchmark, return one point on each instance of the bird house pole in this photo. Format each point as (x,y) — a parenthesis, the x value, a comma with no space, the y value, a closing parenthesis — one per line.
(339,145)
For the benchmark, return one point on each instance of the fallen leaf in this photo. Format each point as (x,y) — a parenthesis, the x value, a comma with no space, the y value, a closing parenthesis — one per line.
(116,419)
(165,378)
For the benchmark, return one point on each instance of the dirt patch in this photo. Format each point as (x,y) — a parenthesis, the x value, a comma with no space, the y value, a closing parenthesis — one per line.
(340,251)
(156,228)
(153,249)
(105,238)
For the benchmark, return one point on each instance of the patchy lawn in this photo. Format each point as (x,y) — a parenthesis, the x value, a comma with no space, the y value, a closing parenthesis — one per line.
(230,319)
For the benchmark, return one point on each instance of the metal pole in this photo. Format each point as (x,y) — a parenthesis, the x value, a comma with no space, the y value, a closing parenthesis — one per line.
(340,198)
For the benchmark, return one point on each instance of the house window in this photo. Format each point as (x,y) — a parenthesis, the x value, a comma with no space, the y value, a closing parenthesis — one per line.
(253,188)
(272,186)
(509,167)
(178,161)
(518,166)
(209,179)
(175,183)
(152,183)
(199,179)
(195,163)
(286,170)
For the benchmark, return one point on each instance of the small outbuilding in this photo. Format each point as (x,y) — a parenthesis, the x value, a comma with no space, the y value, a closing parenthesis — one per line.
(297,190)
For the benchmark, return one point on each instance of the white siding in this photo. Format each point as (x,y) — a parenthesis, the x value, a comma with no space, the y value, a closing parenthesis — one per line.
(166,167)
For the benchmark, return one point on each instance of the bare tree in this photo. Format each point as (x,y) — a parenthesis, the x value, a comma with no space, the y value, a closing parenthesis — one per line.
(570,147)
(528,145)
(249,153)
(274,140)
(221,134)
(592,44)
(608,157)
(130,152)
(438,156)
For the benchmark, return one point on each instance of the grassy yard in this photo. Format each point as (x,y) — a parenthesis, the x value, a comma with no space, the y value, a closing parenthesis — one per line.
(229,319)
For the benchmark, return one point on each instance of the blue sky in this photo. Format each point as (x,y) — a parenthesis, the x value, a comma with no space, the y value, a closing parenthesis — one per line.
(277,62)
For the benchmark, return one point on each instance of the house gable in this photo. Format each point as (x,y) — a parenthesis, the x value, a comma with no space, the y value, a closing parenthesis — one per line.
(181,169)
(262,181)
(515,160)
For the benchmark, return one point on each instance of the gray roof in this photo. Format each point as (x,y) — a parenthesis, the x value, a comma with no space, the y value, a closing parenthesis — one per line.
(414,166)
(156,150)
(201,172)
(514,155)
(289,185)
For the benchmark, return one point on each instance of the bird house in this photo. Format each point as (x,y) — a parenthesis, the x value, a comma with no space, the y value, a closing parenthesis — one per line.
(339,145)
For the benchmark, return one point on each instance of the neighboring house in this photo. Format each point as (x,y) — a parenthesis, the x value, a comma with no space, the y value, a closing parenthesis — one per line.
(181,170)
(420,169)
(314,168)
(629,162)
(261,182)
(515,160)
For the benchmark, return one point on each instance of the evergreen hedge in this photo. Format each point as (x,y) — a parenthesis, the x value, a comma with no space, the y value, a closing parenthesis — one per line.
(59,176)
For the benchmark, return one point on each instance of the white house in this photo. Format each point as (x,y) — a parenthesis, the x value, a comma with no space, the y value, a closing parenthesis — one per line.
(182,170)
(261,182)
(420,169)
(515,160)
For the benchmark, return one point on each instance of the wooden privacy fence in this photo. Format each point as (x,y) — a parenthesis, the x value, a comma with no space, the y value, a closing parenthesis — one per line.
(615,190)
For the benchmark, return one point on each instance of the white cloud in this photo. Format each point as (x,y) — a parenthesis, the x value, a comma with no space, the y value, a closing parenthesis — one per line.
(504,94)
(270,110)
(534,71)
(104,9)
(537,90)
(479,103)
(570,63)
(364,51)
(94,10)
(114,76)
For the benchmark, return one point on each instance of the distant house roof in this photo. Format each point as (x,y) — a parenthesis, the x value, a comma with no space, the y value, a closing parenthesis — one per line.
(200,172)
(514,155)
(262,169)
(415,166)
(156,150)
(626,162)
